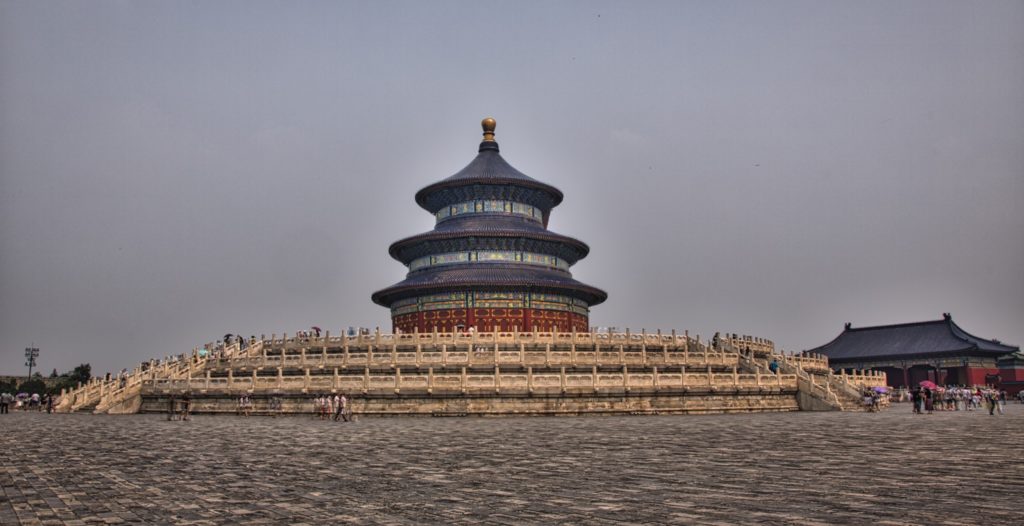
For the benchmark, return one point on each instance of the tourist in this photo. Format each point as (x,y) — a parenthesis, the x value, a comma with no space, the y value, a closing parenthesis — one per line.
(346,408)
(929,400)
(172,408)
(1002,400)
(915,400)
(337,407)
(244,405)
(5,402)
(186,405)
(774,366)
(33,401)
(49,404)
(343,408)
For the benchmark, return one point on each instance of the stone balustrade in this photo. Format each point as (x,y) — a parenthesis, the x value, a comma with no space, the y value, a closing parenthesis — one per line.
(468,382)
(102,393)
(499,355)
(864,379)
(815,363)
(472,339)
(761,347)
(499,366)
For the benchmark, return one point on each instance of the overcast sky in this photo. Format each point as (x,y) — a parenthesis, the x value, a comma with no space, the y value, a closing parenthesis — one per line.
(172,171)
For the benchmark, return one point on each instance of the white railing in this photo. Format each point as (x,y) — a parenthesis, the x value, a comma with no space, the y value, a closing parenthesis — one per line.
(104,394)
(466,382)
(480,357)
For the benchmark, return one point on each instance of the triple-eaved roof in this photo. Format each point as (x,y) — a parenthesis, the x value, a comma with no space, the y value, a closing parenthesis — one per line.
(492,207)
(906,340)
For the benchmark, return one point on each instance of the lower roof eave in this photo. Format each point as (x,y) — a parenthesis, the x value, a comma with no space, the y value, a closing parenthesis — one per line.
(385,297)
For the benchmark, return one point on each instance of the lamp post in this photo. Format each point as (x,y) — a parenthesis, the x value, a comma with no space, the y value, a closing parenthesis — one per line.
(31,353)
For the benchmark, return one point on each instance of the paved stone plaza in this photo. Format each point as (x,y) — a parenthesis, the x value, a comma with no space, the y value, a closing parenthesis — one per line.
(786,468)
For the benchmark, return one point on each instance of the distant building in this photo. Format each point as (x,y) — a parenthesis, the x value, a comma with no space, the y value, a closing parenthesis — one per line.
(1011,372)
(909,353)
(490,263)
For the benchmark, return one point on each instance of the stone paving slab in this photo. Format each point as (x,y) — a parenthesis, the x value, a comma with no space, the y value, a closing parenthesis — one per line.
(780,468)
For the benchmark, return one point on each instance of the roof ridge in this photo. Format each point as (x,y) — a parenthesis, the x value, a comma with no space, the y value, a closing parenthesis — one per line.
(906,324)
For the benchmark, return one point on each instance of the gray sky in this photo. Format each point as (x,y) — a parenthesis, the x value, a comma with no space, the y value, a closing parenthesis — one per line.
(171,171)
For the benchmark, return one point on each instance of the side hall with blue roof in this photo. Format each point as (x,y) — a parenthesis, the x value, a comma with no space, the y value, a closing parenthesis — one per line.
(939,351)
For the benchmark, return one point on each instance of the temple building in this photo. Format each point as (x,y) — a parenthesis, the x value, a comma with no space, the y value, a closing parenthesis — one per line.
(939,351)
(490,263)
(488,321)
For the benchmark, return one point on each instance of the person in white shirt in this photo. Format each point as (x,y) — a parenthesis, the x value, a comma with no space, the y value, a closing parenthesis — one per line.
(343,408)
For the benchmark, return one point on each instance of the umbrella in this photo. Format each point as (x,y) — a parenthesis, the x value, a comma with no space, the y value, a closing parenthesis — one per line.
(881,389)
(316,330)
(928,384)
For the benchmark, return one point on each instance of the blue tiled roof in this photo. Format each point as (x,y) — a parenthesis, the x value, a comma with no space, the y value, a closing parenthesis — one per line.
(493,275)
(485,227)
(489,164)
(487,169)
(489,226)
(928,338)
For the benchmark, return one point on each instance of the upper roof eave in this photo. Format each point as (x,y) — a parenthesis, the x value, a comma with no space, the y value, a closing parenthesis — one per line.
(487,168)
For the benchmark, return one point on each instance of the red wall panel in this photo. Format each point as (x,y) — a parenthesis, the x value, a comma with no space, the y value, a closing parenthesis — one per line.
(487,320)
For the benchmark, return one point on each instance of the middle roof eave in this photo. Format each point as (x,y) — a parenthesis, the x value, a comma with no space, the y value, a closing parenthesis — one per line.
(396,250)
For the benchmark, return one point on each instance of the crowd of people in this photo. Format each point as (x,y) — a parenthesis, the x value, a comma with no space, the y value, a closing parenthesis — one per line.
(874,398)
(336,407)
(325,407)
(927,399)
(26,402)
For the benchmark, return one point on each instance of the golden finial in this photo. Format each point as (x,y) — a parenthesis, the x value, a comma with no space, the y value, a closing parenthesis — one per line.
(488,125)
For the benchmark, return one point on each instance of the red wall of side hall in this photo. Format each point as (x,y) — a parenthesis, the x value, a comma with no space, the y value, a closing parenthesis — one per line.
(1012,375)
(976,375)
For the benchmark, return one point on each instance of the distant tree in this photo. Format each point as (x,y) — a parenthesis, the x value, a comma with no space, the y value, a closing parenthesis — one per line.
(82,373)
(54,373)
(71,379)
(8,387)
(35,385)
